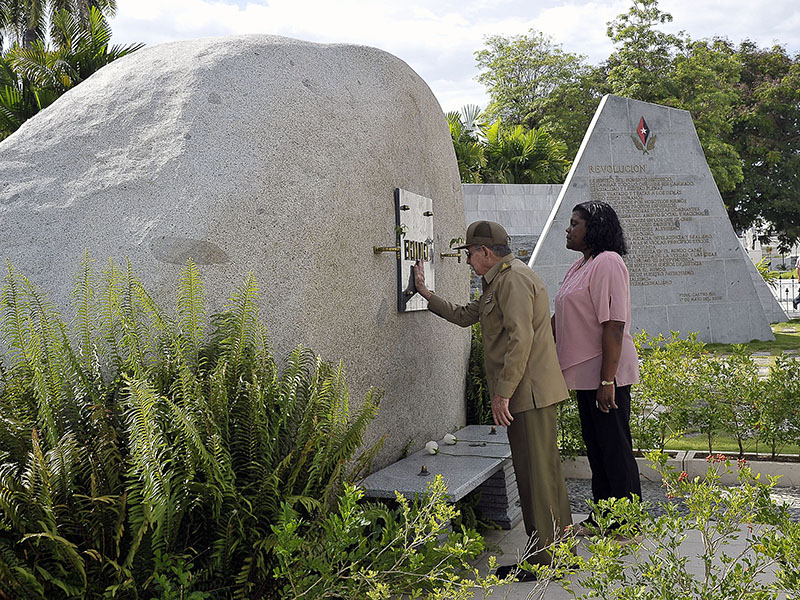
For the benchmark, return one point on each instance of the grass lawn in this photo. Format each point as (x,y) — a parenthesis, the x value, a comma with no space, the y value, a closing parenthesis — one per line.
(787,337)
(725,444)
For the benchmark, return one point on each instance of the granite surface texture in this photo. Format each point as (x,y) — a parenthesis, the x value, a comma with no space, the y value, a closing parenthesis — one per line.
(262,154)
(480,452)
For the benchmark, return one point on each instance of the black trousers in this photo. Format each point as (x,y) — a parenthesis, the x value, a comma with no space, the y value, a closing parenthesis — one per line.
(609,447)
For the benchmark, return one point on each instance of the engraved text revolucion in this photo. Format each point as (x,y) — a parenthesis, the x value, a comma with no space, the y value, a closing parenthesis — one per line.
(606,169)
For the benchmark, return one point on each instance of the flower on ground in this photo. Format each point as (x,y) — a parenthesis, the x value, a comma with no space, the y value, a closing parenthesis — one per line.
(450,439)
(432,447)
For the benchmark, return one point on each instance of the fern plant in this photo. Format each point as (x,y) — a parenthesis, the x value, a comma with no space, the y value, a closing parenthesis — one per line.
(479,403)
(144,437)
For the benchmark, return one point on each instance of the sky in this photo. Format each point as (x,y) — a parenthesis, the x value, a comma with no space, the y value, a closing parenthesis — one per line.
(438,38)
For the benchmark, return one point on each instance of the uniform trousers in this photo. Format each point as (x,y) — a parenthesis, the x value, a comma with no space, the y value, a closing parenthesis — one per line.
(609,448)
(540,480)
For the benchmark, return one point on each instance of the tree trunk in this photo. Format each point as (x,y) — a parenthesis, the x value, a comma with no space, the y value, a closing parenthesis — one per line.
(84,7)
(29,38)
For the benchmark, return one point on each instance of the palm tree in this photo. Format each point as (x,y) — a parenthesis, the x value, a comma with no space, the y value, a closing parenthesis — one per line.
(34,77)
(464,129)
(519,156)
(19,98)
(25,22)
(83,51)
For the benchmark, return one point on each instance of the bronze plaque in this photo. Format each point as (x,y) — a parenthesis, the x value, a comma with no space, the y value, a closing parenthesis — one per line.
(414,218)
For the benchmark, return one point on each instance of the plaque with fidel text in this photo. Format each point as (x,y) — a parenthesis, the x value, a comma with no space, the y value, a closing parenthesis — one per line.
(414,218)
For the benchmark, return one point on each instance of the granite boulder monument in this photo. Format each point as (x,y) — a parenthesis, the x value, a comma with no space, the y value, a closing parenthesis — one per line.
(262,154)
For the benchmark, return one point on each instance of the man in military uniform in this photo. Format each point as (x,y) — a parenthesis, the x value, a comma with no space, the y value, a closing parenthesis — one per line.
(523,374)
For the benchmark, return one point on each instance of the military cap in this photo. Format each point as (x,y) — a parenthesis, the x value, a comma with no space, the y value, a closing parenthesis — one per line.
(485,233)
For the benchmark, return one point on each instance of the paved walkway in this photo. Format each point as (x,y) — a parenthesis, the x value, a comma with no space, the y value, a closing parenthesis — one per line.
(580,490)
(514,541)
(507,545)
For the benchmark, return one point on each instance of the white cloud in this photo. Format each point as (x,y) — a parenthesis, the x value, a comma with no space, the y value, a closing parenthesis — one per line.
(438,37)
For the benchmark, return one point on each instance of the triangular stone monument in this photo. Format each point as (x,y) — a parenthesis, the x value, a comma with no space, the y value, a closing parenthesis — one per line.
(688,272)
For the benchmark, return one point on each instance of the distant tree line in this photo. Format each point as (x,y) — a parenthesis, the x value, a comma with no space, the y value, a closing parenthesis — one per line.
(48,47)
(744,100)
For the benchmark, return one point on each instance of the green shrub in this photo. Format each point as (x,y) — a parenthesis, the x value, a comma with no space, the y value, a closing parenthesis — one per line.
(736,386)
(743,535)
(779,405)
(366,550)
(568,421)
(147,458)
(479,404)
(668,375)
(770,277)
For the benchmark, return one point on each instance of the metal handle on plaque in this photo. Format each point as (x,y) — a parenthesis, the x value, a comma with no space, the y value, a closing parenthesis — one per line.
(379,249)
(450,255)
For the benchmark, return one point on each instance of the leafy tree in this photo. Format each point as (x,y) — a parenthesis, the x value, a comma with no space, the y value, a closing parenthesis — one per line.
(521,72)
(765,136)
(641,67)
(745,103)
(567,112)
(663,68)
(704,81)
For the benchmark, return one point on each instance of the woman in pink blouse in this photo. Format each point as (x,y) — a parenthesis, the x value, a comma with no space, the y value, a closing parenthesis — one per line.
(592,324)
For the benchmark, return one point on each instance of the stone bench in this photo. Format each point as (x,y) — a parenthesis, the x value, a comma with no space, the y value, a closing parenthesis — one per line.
(480,460)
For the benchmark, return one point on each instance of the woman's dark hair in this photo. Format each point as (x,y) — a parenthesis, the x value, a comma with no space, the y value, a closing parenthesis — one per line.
(603,230)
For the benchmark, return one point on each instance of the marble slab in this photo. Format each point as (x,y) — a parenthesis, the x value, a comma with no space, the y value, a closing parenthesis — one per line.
(476,456)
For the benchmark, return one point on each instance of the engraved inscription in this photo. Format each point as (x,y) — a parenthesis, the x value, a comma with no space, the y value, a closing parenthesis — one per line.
(610,169)
(700,297)
(654,209)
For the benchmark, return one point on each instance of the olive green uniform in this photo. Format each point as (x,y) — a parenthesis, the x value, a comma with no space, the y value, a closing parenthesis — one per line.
(521,364)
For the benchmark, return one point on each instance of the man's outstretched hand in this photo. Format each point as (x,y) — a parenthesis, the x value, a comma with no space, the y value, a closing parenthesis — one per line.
(419,280)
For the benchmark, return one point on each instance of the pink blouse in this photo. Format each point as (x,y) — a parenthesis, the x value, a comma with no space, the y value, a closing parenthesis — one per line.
(591,294)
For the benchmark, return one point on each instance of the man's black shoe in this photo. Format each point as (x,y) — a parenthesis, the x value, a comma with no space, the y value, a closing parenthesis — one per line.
(521,574)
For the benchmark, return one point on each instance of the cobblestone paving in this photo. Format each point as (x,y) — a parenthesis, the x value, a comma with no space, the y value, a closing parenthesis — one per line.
(580,490)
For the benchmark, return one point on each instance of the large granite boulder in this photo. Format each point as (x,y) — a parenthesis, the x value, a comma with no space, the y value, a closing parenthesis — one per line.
(260,154)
